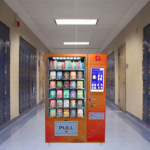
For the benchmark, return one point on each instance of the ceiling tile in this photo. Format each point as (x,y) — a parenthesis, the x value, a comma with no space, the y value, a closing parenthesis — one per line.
(114,15)
(31,1)
(64,14)
(40,14)
(62,6)
(116,6)
(43,21)
(88,14)
(124,1)
(90,6)
(36,6)
(47,26)
(108,21)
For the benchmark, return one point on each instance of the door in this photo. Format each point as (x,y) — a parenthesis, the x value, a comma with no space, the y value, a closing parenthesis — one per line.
(41,87)
(122,78)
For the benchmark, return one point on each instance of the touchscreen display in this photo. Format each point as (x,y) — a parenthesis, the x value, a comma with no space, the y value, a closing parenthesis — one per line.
(97,80)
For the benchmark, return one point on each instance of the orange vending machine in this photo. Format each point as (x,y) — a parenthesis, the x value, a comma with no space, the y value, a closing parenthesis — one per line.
(75,97)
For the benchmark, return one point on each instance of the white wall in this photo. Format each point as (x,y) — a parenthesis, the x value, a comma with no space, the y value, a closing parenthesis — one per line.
(134,57)
(7,16)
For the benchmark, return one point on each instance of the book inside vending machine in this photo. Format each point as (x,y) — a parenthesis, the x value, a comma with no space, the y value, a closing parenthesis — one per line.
(75,91)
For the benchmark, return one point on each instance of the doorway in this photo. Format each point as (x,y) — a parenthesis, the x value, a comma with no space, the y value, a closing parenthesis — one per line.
(41,86)
(122,78)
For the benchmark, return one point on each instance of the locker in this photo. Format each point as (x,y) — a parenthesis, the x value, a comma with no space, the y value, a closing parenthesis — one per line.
(146,52)
(1,47)
(7,69)
(146,90)
(146,113)
(7,111)
(2,95)
(7,90)
(2,115)
(7,49)
(146,70)
(20,106)
(2,67)
(20,55)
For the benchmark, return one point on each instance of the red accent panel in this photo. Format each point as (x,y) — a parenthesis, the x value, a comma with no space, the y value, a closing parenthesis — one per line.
(97,58)
(96,130)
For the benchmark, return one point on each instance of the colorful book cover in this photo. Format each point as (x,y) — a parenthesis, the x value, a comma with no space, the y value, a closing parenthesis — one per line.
(66,103)
(73,103)
(66,93)
(80,74)
(80,93)
(62,65)
(66,84)
(59,112)
(66,112)
(73,113)
(80,112)
(73,75)
(59,75)
(59,84)
(66,75)
(59,103)
(53,75)
(52,112)
(73,84)
(59,93)
(52,84)
(52,94)
(79,84)
(52,103)
(80,103)
(73,93)
(59,65)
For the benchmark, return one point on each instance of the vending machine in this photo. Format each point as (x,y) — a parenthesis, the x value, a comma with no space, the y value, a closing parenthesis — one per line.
(75,97)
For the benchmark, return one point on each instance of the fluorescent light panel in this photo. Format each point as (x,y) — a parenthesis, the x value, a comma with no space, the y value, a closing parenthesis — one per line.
(76,43)
(76,21)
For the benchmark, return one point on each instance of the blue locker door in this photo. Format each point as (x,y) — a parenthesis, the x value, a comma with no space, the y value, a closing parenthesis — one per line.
(1,47)
(2,115)
(2,85)
(2,65)
(7,90)
(20,106)
(7,111)
(7,69)
(7,49)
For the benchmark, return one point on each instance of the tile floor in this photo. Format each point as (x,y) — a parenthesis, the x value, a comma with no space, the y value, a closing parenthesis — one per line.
(122,133)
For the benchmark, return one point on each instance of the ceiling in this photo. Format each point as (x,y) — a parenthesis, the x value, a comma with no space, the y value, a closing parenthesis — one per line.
(39,16)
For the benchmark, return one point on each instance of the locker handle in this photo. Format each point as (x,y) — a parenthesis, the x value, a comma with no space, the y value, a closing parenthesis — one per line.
(5,90)
(5,69)
(5,110)
(5,48)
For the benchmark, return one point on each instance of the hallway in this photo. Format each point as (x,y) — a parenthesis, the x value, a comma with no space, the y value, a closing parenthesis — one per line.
(122,133)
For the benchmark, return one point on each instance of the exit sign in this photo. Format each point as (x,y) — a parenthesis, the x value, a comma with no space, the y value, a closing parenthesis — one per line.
(97,58)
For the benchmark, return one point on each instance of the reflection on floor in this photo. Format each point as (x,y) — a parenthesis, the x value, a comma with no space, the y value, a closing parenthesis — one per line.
(122,133)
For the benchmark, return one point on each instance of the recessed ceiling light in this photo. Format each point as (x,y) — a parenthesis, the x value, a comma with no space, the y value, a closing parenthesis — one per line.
(76,43)
(76,21)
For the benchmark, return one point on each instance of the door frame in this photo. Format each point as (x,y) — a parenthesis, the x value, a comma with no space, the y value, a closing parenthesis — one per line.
(123,45)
